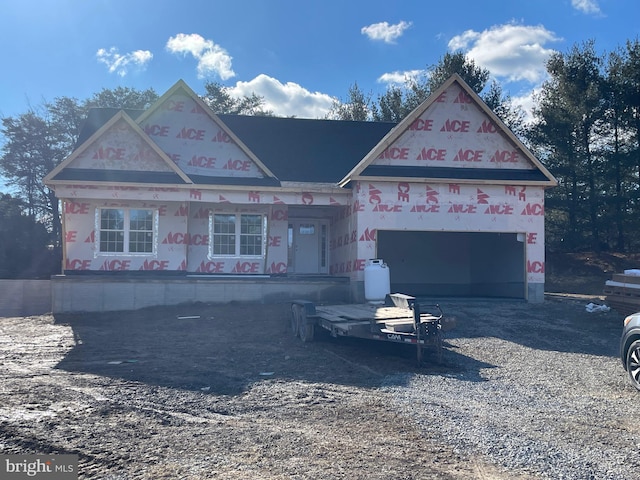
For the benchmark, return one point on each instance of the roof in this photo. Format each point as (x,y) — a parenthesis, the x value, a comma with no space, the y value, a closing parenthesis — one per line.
(470,142)
(304,150)
(294,149)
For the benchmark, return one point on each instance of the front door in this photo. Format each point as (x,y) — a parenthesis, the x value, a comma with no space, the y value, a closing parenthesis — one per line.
(307,246)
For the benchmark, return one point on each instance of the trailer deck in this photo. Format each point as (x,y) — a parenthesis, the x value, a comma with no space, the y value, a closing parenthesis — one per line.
(401,320)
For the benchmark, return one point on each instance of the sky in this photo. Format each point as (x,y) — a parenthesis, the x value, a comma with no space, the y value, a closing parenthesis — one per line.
(298,55)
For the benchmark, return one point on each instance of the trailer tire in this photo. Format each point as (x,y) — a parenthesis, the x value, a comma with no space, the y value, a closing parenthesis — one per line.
(306,327)
(295,319)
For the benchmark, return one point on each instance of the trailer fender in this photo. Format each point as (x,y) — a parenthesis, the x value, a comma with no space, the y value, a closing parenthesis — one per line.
(308,306)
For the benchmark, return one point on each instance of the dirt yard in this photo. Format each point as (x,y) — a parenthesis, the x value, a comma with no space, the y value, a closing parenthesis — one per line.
(232,394)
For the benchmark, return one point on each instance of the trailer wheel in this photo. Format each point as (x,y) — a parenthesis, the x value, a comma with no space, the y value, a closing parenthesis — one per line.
(295,319)
(306,327)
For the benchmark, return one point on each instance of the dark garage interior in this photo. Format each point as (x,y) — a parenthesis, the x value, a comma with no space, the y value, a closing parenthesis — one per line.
(454,264)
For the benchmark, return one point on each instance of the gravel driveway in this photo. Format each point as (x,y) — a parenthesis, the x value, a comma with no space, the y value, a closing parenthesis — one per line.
(536,391)
(525,391)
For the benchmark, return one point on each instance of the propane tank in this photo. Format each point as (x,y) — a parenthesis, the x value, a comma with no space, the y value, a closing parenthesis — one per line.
(376,281)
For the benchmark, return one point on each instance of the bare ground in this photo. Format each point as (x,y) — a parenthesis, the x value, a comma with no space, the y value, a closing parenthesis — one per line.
(232,394)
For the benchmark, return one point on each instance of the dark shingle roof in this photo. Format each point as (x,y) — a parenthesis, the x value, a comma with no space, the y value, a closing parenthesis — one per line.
(303,150)
(497,174)
(96,175)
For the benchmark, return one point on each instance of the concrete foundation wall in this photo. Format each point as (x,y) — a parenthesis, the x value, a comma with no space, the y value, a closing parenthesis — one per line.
(101,294)
(535,292)
(21,298)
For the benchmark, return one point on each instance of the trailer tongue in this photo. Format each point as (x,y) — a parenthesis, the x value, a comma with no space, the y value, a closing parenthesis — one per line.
(401,319)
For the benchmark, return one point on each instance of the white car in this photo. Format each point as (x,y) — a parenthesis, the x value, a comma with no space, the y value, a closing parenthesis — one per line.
(630,348)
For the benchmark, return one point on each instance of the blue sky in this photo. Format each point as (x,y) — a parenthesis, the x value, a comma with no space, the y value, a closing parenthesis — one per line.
(297,54)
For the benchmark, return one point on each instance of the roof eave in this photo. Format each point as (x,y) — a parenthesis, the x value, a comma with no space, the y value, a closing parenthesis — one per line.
(466,181)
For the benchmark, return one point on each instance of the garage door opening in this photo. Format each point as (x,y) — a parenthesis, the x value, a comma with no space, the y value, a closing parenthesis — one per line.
(458,264)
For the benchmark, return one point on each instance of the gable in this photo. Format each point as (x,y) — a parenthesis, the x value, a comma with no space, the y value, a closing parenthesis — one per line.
(97,117)
(452,136)
(198,141)
(454,132)
(119,151)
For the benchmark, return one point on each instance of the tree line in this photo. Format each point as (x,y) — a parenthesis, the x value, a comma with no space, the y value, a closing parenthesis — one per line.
(585,129)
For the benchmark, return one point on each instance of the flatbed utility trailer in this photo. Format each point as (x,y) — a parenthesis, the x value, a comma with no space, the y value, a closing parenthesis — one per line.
(401,319)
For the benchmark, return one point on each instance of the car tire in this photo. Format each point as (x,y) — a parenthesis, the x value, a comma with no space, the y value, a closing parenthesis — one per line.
(633,363)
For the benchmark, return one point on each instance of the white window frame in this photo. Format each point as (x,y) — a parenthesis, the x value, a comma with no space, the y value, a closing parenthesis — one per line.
(127,230)
(237,235)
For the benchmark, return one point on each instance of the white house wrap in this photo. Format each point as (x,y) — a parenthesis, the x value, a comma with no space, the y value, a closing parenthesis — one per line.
(449,198)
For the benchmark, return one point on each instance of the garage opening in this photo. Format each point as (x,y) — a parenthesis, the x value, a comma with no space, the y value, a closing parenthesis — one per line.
(459,264)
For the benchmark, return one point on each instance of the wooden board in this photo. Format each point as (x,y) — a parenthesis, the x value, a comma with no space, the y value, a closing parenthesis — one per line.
(623,299)
(623,307)
(631,293)
(624,278)
(363,312)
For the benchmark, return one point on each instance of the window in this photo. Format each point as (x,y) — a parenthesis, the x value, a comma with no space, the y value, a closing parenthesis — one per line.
(307,229)
(124,230)
(224,235)
(238,235)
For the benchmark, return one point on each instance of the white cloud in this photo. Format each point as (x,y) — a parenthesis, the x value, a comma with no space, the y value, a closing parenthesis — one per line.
(121,64)
(586,6)
(288,99)
(514,52)
(385,32)
(399,78)
(212,58)
(527,102)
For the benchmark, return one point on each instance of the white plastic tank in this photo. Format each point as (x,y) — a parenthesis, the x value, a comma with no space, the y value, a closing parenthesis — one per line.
(377,281)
